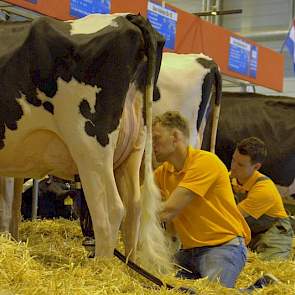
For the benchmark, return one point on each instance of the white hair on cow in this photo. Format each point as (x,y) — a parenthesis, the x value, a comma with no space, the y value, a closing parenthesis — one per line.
(91,23)
(153,245)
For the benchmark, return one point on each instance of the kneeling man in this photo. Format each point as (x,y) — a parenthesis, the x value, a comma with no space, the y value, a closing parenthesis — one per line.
(260,202)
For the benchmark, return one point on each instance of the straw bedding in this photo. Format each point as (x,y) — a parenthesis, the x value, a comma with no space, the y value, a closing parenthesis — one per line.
(51,260)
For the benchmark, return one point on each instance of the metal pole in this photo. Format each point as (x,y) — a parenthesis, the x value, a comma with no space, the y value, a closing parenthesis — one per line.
(218,8)
(209,7)
(204,7)
(35,198)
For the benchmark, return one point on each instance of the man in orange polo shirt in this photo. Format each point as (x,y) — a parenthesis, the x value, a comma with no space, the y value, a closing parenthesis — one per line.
(200,203)
(260,202)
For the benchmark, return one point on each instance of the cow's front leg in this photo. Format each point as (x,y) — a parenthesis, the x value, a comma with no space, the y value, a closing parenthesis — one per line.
(105,206)
(6,200)
(16,208)
(128,183)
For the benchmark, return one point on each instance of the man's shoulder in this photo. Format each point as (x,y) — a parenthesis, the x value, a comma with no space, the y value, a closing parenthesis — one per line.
(203,155)
(263,183)
(206,158)
(262,180)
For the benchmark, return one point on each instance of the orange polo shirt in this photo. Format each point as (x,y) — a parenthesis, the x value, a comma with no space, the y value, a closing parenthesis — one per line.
(262,197)
(212,217)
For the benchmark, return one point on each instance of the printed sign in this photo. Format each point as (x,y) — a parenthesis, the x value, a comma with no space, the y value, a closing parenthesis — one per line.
(80,8)
(243,57)
(164,20)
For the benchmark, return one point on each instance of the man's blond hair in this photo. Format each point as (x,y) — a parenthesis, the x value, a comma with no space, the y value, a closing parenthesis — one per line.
(173,120)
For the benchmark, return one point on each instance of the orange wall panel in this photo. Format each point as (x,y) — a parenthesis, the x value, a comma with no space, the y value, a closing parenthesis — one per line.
(59,9)
(270,68)
(193,35)
(133,6)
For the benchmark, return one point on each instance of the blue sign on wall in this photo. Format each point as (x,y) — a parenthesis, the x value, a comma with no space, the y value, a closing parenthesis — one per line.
(243,57)
(253,61)
(32,1)
(80,8)
(164,21)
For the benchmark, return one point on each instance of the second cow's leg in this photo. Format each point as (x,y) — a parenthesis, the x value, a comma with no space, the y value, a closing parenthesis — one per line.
(128,183)
(6,200)
(16,207)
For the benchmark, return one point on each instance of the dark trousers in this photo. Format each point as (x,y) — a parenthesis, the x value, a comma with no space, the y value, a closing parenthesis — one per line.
(85,218)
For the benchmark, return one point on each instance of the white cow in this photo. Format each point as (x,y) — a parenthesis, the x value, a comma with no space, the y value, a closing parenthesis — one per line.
(185,83)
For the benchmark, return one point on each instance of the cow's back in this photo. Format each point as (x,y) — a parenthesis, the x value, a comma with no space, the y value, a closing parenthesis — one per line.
(61,84)
(271,118)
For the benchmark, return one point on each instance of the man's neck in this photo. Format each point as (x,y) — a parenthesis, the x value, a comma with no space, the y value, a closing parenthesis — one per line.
(242,181)
(179,157)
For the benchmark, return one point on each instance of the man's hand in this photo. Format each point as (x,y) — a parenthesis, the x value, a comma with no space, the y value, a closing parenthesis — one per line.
(179,199)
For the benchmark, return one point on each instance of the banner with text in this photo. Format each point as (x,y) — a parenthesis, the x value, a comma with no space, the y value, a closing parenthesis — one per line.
(80,8)
(243,57)
(164,20)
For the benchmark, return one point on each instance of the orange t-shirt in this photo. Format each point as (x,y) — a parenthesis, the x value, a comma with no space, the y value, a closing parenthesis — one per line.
(262,197)
(212,217)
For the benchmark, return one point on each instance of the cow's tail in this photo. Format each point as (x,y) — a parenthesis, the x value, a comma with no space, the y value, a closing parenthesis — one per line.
(152,246)
(216,108)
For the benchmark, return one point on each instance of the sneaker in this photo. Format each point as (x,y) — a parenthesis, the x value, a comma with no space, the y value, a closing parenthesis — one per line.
(88,241)
(265,280)
(89,245)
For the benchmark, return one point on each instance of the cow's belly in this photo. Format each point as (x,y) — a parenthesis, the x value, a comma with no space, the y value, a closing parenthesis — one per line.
(36,154)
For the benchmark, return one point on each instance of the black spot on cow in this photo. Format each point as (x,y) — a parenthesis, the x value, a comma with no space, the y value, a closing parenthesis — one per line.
(157,94)
(33,100)
(29,61)
(213,78)
(113,76)
(10,113)
(48,106)
(85,109)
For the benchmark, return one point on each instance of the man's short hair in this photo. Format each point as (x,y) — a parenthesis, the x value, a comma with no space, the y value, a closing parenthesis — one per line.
(253,147)
(171,120)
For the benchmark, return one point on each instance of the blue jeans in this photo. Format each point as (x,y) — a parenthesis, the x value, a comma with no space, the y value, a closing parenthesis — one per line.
(221,263)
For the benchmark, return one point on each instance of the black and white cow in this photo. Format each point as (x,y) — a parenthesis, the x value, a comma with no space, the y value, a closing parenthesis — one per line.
(186,83)
(72,93)
(271,118)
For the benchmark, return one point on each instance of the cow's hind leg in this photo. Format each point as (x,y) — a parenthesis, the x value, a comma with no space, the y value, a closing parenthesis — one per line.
(105,206)
(127,179)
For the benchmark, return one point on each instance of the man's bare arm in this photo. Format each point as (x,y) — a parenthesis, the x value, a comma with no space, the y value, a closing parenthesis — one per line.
(180,198)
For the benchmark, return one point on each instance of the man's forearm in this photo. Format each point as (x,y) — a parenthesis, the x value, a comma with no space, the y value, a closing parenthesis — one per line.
(168,213)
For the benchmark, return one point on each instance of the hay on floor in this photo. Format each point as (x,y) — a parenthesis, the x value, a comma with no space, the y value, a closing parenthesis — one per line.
(51,260)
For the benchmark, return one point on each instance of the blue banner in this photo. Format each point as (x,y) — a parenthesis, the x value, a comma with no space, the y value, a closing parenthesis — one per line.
(243,57)
(80,8)
(164,20)
(253,61)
